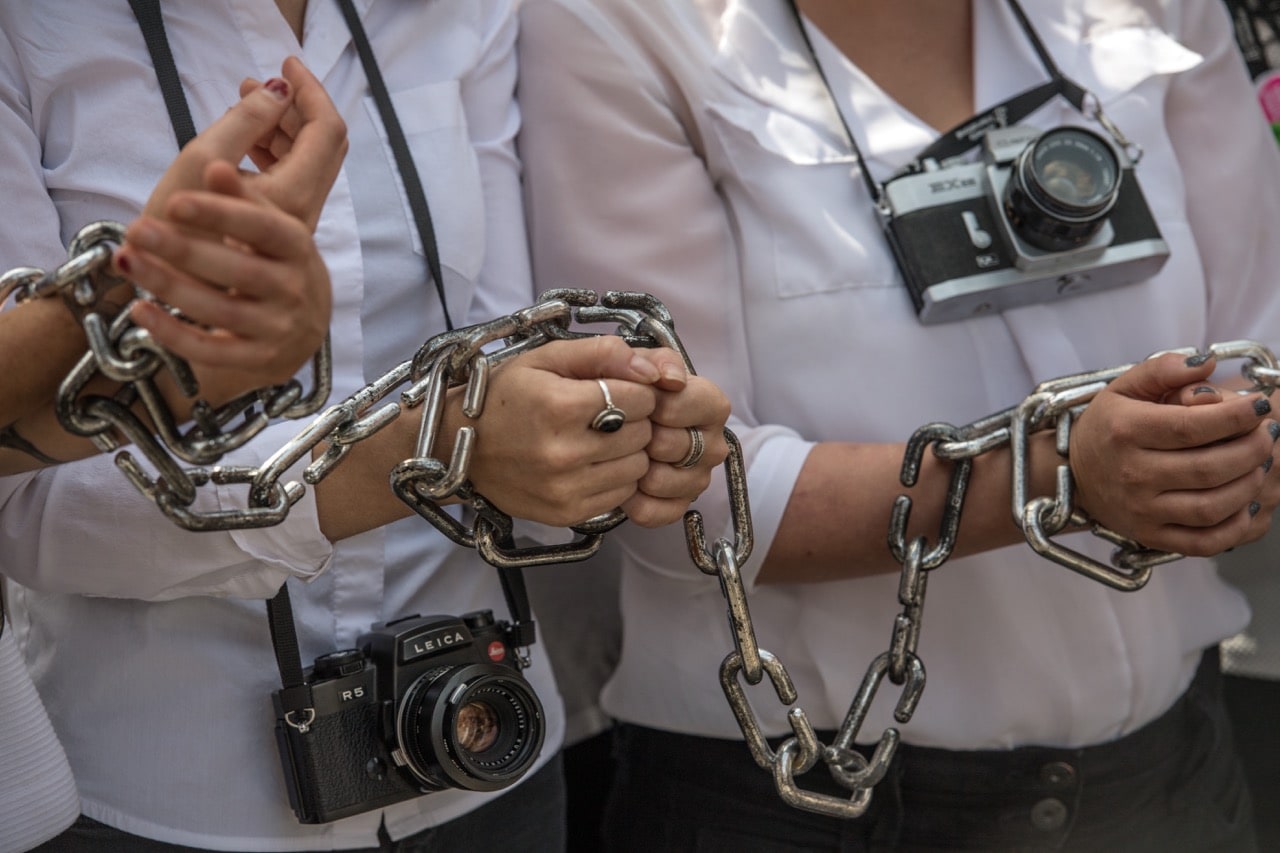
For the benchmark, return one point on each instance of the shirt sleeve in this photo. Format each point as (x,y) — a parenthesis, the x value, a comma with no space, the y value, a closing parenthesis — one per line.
(82,527)
(1231,172)
(619,198)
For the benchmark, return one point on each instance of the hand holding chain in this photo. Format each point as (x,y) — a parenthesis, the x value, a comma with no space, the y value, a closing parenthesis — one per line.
(126,354)
(1053,405)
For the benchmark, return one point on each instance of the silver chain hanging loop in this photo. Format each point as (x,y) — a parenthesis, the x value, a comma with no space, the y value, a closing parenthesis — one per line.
(1053,405)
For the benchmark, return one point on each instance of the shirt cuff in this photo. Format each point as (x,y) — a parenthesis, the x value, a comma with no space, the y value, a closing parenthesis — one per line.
(293,548)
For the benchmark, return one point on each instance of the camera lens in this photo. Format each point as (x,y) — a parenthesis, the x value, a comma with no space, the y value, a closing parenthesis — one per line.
(1062,187)
(473,726)
(476,728)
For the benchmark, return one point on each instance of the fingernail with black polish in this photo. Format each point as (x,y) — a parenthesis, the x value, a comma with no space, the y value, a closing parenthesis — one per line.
(1254,508)
(1261,406)
(1274,429)
(1266,466)
(1203,389)
(1198,359)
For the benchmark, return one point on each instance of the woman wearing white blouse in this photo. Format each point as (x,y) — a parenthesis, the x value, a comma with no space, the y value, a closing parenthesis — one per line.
(692,149)
(37,791)
(156,670)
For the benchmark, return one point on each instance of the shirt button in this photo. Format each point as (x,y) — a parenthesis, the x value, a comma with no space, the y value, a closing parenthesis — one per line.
(1049,814)
(1058,774)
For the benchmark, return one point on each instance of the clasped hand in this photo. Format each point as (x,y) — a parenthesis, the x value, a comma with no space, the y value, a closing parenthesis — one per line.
(234,251)
(1168,459)
(538,458)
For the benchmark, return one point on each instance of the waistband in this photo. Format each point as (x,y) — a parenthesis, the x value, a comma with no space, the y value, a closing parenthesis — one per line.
(1027,797)
(1138,753)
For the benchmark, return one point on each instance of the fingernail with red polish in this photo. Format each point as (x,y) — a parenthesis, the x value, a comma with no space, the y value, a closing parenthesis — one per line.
(123,262)
(278,87)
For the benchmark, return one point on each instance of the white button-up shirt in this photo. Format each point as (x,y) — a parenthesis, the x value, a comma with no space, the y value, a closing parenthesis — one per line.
(164,708)
(690,149)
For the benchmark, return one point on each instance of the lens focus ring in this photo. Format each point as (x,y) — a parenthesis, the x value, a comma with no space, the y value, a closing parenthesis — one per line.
(1062,188)
(477,727)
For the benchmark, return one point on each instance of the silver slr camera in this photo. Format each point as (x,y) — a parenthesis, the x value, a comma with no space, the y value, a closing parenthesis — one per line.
(1045,215)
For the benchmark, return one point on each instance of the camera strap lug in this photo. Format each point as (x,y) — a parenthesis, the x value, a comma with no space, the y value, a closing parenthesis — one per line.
(295,697)
(305,725)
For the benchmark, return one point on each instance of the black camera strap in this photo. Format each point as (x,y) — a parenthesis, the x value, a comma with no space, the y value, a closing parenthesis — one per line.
(400,150)
(151,22)
(296,695)
(968,133)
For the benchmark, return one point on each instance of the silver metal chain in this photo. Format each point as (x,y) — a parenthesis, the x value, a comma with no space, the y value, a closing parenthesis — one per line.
(138,414)
(1053,405)
(126,354)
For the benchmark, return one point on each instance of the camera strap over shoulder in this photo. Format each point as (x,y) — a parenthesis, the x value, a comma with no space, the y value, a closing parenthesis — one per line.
(969,133)
(296,695)
(151,22)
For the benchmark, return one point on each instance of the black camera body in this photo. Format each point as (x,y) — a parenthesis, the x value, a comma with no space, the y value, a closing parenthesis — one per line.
(424,704)
(1045,215)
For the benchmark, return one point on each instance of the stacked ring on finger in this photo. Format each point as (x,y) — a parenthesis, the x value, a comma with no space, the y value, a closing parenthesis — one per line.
(696,447)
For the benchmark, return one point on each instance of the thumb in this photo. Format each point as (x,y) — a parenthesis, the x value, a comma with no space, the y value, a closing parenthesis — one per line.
(256,114)
(598,357)
(1156,379)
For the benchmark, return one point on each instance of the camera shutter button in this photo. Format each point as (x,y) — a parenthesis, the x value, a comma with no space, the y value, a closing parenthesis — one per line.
(478,620)
(339,663)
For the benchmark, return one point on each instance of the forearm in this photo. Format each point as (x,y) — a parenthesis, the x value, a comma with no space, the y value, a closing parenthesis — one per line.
(836,522)
(40,342)
(38,438)
(357,496)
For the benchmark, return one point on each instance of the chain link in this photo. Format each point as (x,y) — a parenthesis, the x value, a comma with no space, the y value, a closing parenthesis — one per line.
(465,358)
(127,355)
(1053,405)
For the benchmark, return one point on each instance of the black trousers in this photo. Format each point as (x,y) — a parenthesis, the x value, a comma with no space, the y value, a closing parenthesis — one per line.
(1174,786)
(528,819)
(1254,704)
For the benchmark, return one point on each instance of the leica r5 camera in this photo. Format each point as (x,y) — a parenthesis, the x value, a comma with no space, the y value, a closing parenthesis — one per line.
(1043,216)
(424,704)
